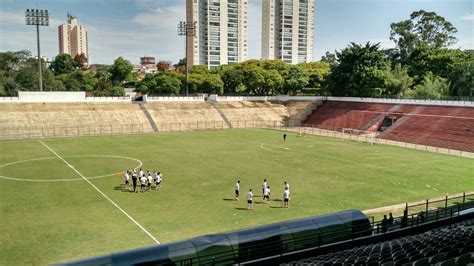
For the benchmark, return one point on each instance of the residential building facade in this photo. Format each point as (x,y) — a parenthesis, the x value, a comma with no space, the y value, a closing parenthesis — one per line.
(73,38)
(221,32)
(288,30)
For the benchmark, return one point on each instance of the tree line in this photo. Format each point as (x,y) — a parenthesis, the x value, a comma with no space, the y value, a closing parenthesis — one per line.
(421,66)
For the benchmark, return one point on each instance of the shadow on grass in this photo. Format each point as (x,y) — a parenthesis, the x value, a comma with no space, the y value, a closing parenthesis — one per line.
(121,188)
(276,200)
(277,207)
(229,199)
(241,209)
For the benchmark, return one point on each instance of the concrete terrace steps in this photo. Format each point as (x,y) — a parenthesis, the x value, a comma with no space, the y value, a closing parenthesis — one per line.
(149,117)
(253,114)
(216,107)
(338,115)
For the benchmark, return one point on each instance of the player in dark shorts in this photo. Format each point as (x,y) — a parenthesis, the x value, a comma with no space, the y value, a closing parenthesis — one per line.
(249,200)
(266,195)
(134,180)
(237,190)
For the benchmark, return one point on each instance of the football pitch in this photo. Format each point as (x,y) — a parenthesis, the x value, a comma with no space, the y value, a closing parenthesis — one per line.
(61,199)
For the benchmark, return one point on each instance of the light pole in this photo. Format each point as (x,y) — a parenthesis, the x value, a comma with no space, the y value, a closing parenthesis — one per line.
(189,30)
(37,17)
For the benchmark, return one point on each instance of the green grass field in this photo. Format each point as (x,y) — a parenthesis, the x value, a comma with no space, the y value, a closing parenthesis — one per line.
(50,214)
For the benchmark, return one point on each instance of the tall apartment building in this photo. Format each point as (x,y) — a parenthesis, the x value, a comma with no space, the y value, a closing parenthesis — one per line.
(288,30)
(221,32)
(73,38)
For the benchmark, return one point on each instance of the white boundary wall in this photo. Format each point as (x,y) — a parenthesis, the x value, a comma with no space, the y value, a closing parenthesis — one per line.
(285,98)
(59,97)
(51,96)
(174,98)
(63,96)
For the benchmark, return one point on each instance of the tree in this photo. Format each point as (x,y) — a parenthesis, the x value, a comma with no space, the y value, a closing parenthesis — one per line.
(232,77)
(318,72)
(254,79)
(78,81)
(163,65)
(398,82)
(423,28)
(441,62)
(13,61)
(121,70)
(295,80)
(329,58)
(181,65)
(199,69)
(361,71)
(162,83)
(432,87)
(461,79)
(273,82)
(212,83)
(63,64)
(81,60)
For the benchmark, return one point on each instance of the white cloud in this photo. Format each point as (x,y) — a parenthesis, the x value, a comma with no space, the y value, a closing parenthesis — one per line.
(468,17)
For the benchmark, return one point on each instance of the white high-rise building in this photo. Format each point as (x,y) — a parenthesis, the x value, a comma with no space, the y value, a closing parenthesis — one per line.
(73,38)
(288,30)
(221,32)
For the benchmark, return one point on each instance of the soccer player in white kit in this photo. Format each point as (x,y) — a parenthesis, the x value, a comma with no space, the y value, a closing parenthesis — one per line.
(150,181)
(249,200)
(266,194)
(287,186)
(237,190)
(127,180)
(158,180)
(286,198)
(264,186)
(142,183)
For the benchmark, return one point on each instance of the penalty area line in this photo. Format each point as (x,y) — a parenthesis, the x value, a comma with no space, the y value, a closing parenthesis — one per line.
(100,192)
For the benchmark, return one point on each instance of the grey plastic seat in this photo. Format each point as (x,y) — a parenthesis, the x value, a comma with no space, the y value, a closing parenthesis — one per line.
(450,262)
(421,262)
(463,259)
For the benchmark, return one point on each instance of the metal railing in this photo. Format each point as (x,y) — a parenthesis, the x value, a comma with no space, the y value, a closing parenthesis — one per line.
(444,147)
(429,211)
(279,247)
(425,144)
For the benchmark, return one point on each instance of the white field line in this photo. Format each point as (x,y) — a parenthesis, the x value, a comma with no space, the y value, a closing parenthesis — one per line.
(68,179)
(98,190)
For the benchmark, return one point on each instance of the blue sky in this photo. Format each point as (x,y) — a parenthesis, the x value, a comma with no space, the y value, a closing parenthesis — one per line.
(133,28)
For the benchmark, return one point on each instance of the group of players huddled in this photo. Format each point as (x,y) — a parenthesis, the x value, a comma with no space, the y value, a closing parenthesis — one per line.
(265,194)
(146,180)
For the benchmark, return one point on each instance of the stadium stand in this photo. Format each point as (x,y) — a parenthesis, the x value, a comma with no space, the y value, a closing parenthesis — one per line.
(439,126)
(247,114)
(180,116)
(448,245)
(21,120)
(335,115)
(300,110)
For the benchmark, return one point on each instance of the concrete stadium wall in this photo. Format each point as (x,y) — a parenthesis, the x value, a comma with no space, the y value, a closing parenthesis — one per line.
(285,98)
(63,96)
(401,101)
(59,97)
(51,96)
(174,98)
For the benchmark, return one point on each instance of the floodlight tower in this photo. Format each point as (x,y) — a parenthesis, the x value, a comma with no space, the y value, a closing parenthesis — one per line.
(37,17)
(189,30)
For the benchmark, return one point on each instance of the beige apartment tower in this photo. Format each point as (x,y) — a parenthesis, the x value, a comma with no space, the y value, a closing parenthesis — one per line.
(288,30)
(73,38)
(221,32)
